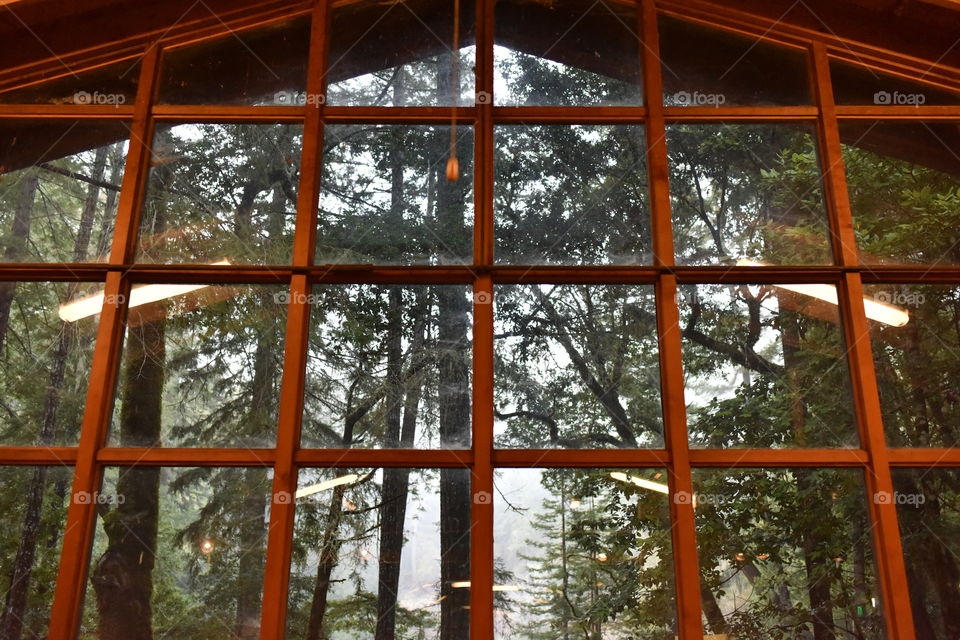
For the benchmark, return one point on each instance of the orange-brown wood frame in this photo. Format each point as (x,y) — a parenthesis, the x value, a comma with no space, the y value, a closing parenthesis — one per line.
(874,457)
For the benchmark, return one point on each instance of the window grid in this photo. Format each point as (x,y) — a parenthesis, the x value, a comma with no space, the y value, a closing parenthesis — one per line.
(90,457)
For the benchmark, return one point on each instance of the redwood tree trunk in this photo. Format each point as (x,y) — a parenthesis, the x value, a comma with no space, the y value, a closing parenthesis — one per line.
(14,611)
(394,501)
(453,400)
(15,246)
(123,576)
(329,554)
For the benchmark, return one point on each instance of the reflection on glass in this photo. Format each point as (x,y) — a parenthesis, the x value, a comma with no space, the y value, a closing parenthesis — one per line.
(381,553)
(202,368)
(707,67)
(577,367)
(401,54)
(44,364)
(221,192)
(746,191)
(904,182)
(581,53)
(34,505)
(860,85)
(178,553)
(112,85)
(557,207)
(385,198)
(266,65)
(389,366)
(786,554)
(583,553)
(59,185)
(765,366)
(918,365)
(928,509)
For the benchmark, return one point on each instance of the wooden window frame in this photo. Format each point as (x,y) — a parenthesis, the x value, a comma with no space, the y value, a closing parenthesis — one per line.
(874,457)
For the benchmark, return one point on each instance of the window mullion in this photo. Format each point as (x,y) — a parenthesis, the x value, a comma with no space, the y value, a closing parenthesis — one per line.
(886,534)
(891,568)
(657,163)
(683,528)
(481,531)
(308,194)
(831,162)
(283,509)
(483,136)
(82,514)
(289,420)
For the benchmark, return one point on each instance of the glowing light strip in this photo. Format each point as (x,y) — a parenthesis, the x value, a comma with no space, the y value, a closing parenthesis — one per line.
(885,313)
(659,487)
(465,584)
(327,484)
(145,294)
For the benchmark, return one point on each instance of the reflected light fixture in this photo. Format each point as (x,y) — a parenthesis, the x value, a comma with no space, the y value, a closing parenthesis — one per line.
(659,487)
(465,584)
(453,165)
(885,313)
(326,484)
(144,294)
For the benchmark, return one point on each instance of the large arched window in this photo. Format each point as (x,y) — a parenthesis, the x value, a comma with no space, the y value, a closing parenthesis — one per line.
(671,350)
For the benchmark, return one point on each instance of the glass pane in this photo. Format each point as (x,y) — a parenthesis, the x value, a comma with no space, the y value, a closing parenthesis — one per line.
(577,367)
(221,193)
(401,54)
(786,553)
(201,366)
(928,508)
(381,553)
(747,193)
(385,198)
(178,553)
(765,367)
(904,181)
(59,185)
(114,85)
(389,366)
(707,67)
(262,66)
(581,53)
(916,350)
(34,505)
(45,355)
(554,207)
(583,553)
(860,85)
